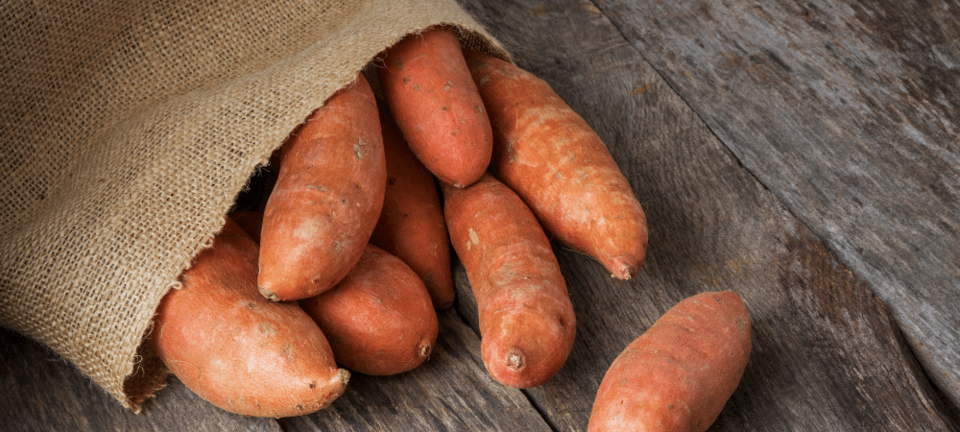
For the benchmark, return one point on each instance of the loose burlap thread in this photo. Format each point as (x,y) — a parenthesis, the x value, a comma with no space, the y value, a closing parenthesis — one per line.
(128,129)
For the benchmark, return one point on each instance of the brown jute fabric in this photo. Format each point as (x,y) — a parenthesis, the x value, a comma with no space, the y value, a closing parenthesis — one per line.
(128,129)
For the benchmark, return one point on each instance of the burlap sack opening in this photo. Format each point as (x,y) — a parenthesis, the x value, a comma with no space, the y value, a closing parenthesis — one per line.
(128,129)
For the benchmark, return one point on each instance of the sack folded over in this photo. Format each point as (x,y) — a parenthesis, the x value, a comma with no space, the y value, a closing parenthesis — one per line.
(128,129)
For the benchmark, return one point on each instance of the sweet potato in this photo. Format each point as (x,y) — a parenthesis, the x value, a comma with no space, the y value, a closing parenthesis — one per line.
(678,374)
(527,324)
(411,224)
(426,83)
(327,198)
(238,350)
(379,319)
(552,158)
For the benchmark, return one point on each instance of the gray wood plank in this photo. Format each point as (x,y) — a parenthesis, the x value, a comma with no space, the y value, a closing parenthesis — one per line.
(42,392)
(849,111)
(450,392)
(827,354)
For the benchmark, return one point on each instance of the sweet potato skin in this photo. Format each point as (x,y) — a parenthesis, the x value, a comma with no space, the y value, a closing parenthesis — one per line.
(678,375)
(551,157)
(411,224)
(327,198)
(434,100)
(527,324)
(238,350)
(379,319)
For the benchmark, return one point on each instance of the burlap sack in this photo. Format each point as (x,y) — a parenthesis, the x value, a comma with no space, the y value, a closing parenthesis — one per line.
(129,127)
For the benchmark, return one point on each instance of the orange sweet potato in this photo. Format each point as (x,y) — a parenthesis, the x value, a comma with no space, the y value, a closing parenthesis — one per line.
(552,158)
(327,198)
(677,375)
(434,100)
(527,324)
(411,224)
(238,350)
(379,319)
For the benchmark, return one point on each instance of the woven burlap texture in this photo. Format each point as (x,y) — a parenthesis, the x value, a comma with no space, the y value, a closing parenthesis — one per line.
(128,129)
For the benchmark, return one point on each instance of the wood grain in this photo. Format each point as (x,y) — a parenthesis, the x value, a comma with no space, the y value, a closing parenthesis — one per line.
(827,353)
(449,392)
(849,112)
(42,392)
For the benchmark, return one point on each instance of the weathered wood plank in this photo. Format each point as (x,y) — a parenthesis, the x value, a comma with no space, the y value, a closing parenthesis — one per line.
(450,392)
(42,392)
(849,112)
(827,354)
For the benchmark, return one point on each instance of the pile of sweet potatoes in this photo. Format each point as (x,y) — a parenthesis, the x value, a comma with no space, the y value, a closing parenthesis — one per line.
(351,255)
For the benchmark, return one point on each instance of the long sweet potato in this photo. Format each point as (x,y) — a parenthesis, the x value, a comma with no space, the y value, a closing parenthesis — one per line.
(238,350)
(379,319)
(678,374)
(411,224)
(327,198)
(552,158)
(434,100)
(527,324)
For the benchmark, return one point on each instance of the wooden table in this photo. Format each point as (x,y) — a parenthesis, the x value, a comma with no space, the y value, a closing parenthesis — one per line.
(803,154)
